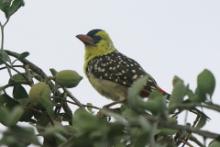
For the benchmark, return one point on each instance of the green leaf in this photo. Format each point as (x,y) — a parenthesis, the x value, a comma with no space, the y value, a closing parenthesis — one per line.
(53,71)
(193,97)
(214,143)
(178,93)
(4,4)
(84,122)
(48,105)
(19,92)
(68,78)
(119,118)
(206,82)
(23,55)
(134,99)
(18,79)
(7,101)
(115,130)
(54,129)
(130,115)
(4,115)
(199,96)
(19,137)
(202,121)
(167,131)
(10,117)
(156,103)
(4,57)
(136,87)
(89,107)
(141,135)
(9,7)
(40,93)
(172,120)
(15,115)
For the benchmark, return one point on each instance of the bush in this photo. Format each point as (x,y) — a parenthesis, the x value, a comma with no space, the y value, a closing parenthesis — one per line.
(135,123)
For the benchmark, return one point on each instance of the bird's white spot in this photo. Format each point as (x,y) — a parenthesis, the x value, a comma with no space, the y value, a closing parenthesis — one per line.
(124,82)
(119,73)
(152,87)
(103,64)
(99,69)
(133,71)
(134,76)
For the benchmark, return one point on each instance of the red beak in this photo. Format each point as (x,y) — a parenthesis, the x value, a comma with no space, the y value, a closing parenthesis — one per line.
(87,40)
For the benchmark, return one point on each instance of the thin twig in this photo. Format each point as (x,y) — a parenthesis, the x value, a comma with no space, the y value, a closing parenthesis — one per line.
(21,66)
(6,22)
(84,105)
(206,105)
(203,133)
(113,103)
(195,140)
(40,72)
(69,94)
(2,33)
(211,106)
(2,36)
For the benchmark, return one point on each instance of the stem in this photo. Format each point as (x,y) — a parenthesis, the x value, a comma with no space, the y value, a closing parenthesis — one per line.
(3,40)
(2,36)
(154,129)
(84,105)
(206,105)
(3,33)
(69,94)
(4,67)
(203,133)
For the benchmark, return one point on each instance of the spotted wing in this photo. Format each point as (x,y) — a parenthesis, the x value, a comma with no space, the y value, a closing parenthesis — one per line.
(116,67)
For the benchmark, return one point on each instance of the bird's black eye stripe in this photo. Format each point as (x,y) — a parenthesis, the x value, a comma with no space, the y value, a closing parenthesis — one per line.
(93,32)
(96,39)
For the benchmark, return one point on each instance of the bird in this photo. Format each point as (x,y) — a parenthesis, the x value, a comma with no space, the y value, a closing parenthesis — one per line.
(111,72)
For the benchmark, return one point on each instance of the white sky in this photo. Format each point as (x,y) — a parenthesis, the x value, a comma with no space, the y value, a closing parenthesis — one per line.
(167,38)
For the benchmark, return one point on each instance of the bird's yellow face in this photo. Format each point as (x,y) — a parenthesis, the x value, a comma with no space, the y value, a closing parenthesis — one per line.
(97,43)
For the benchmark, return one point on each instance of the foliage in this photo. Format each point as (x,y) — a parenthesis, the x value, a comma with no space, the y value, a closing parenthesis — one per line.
(134,123)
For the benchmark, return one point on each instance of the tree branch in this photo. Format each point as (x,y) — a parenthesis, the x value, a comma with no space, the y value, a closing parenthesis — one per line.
(203,133)
(40,72)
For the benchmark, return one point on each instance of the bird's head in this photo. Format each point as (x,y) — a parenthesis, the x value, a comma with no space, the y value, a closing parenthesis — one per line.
(97,43)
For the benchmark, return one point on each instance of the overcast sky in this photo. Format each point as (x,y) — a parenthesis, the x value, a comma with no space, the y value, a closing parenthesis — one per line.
(167,37)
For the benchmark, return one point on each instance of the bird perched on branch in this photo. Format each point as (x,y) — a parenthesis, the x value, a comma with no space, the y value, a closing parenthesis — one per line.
(110,72)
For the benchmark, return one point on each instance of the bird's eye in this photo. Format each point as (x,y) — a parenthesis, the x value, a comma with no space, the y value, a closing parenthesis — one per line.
(96,39)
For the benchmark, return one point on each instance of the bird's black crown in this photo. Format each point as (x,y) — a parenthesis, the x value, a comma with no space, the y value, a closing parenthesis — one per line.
(93,32)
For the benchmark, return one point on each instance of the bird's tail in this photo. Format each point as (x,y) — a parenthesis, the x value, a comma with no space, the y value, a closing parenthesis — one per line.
(163,92)
(147,91)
